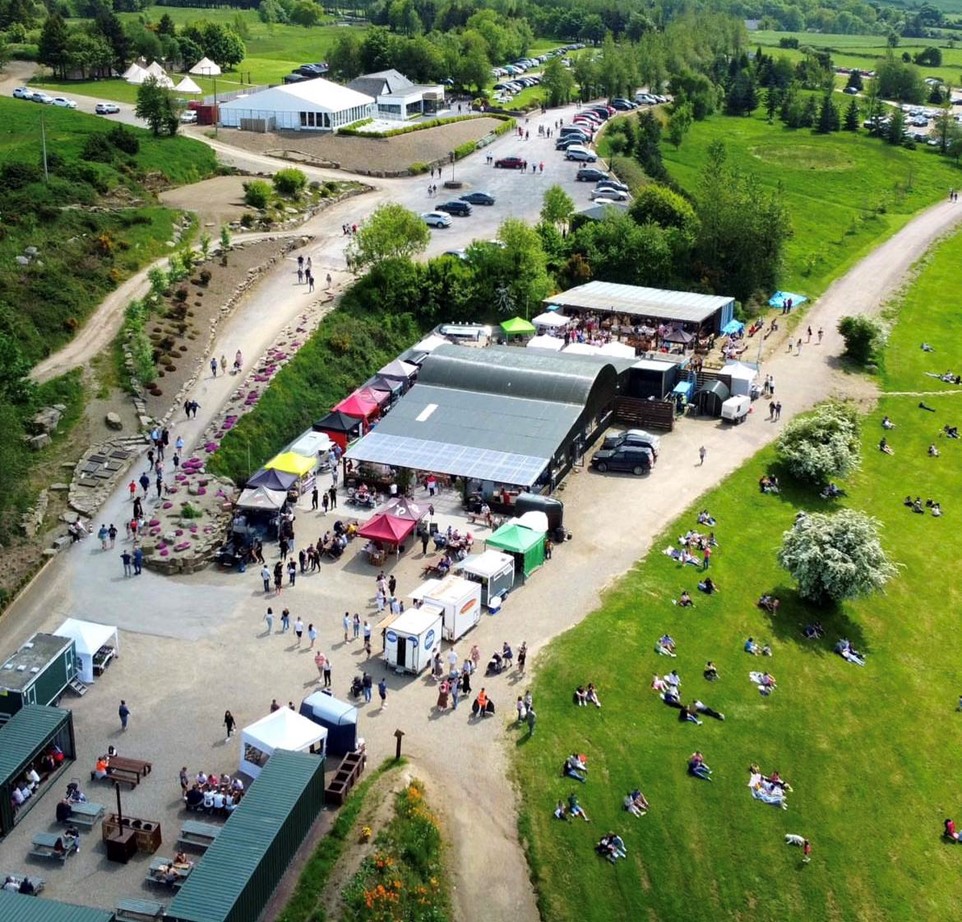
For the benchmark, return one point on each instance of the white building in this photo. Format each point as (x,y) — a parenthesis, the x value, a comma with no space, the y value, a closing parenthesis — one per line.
(313,105)
(397,97)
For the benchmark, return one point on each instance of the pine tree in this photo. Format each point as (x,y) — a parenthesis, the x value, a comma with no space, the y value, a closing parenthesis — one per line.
(828,120)
(852,115)
(809,114)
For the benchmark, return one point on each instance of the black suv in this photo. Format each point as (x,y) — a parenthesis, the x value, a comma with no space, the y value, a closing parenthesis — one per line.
(461,209)
(626,458)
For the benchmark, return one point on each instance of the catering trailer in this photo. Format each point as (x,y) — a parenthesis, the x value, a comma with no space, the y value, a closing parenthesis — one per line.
(492,571)
(413,638)
(736,409)
(459,600)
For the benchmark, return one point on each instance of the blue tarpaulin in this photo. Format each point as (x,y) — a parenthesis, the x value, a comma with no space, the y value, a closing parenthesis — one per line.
(684,388)
(733,326)
(780,297)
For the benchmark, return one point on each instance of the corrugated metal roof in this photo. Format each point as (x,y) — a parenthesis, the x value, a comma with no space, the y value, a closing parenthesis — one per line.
(23,732)
(223,874)
(685,306)
(17,908)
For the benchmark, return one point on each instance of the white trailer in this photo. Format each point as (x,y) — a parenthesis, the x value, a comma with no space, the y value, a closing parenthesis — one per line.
(459,600)
(413,638)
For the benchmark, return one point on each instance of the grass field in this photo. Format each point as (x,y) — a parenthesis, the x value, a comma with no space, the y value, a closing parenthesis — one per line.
(846,193)
(869,751)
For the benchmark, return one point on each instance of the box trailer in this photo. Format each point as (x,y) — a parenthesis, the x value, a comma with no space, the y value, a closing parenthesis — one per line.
(413,638)
(736,409)
(493,571)
(459,600)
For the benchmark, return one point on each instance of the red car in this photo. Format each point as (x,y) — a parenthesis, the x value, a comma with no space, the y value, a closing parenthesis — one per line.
(510,163)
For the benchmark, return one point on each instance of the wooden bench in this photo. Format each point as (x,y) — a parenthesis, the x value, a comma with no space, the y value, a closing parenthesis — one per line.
(139,910)
(131,778)
(45,846)
(38,882)
(159,866)
(85,814)
(199,835)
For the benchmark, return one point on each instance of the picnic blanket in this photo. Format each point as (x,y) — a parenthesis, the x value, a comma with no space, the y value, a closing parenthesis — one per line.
(767,792)
(758,679)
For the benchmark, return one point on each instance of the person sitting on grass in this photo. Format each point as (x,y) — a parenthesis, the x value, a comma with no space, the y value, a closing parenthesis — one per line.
(560,812)
(671,697)
(887,423)
(768,681)
(697,767)
(612,847)
(684,600)
(884,446)
(949,831)
(699,707)
(711,671)
(769,603)
(658,684)
(936,509)
(951,431)
(752,647)
(705,518)
(813,631)
(635,803)
(581,696)
(707,585)
(592,695)
(665,646)
(575,809)
(845,650)
(768,484)
(574,768)
(917,506)
(687,715)
(933,451)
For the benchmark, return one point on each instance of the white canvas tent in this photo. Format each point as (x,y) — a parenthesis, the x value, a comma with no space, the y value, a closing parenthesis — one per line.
(284,729)
(742,377)
(261,498)
(88,638)
(552,343)
(550,320)
(205,67)
(188,86)
(155,70)
(582,349)
(313,105)
(135,75)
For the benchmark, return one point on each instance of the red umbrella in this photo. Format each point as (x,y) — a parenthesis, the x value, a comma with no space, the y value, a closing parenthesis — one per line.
(387,529)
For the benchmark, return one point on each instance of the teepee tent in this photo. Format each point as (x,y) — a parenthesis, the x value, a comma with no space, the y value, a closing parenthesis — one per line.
(155,70)
(205,67)
(188,86)
(135,75)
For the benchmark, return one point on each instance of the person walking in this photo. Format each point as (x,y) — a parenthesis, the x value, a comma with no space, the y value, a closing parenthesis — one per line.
(314,494)
(531,718)
(285,620)
(702,454)
(392,586)
(332,493)
(112,534)
(367,632)
(229,723)
(138,561)
(425,537)
(346,623)
(522,656)
(382,693)
(213,367)
(124,713)
(266,576)
(319,660)
(291,572)
(367,686)
(327,672)
(356,625)
(820,334)
(326,501)
(298,630)
(455,693)
(269,618)
(778,410)
(311,635)
(328,280)
(278,577)
(798,346)
(128,563)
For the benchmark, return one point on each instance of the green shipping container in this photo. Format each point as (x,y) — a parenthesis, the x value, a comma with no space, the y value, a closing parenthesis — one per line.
(37,673)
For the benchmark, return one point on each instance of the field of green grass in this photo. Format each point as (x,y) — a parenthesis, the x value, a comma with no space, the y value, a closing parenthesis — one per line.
(846,192)
(869,751)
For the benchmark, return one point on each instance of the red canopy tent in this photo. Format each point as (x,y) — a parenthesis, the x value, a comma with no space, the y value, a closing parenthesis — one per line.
(379,395)
(387,529)
(360,406)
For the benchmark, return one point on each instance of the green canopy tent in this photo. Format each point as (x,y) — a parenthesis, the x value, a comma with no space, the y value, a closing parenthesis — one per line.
(517,326)
(523,544)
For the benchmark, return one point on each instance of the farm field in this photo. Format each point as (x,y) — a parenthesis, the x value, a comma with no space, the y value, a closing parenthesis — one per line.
(863,748)
(846,192)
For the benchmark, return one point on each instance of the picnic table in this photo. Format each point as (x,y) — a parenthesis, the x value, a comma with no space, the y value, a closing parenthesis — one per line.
(130,771)
(38,882)
(85,814)
(199,835)
(45,846)
(160,866)
(432,567)
(139,910)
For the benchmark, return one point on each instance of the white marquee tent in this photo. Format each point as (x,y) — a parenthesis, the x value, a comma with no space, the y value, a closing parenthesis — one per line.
(314,105)
(88,638)
(552,343)
(188,86)
(205,67)
(582,349)
(155,70)
(550,321)
(284,729)
(620,350)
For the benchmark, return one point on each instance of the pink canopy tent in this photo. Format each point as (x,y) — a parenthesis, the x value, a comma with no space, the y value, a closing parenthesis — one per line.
(387,529)
(381,397)
(359,406)
(404,508)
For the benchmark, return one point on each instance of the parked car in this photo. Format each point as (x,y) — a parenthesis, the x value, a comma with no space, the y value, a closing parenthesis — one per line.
(436,219)
(456,207)
(571,140)
(106,108)
(851,91)
(610,195)
(510,163)
(640,437)
(41,97)
(627,458)
(577,152)
(590,174)
(188,117)
(63,103)
(23,92)
(609,183)
(478,198)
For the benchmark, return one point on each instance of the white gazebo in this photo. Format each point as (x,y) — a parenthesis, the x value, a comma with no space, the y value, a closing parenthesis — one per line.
(284,729)
(550,320)
(619,350)
(88,637)
(188,86)
(205,67)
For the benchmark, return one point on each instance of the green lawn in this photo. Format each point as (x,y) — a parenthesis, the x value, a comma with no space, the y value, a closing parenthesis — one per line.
(846,193)
(869,751)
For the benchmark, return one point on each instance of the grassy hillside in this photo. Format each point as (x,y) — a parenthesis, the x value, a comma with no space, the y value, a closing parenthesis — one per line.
(846,192)
(865,749)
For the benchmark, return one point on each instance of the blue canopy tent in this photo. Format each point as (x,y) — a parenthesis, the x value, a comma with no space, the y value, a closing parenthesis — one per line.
(780,297)
(684,389)
(733,326)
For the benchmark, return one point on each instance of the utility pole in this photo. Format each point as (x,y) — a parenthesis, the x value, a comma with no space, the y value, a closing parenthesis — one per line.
(43,144)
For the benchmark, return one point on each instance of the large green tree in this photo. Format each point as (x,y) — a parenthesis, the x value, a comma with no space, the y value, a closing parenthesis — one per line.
(155,105)
(557,82)
(822,445)
(52,48)
(391,232)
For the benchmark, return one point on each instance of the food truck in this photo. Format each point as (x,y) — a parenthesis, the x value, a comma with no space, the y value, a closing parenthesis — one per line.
(459,600)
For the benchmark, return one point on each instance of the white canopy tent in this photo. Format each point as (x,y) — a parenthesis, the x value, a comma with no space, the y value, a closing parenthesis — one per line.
(536,521)
(742,377)
(582,349)
(284,729)
(135,75)
(550,320)
(619,350)
(552,343)
(188,86)
(261,498)
(205,67)
(88,637)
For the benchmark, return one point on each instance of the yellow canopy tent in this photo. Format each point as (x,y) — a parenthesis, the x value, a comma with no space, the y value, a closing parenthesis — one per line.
(291,463)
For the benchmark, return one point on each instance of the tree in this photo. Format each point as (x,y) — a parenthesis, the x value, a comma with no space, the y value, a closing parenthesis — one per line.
(257,193)
(557,82)
(290,182)
(862,336)
(835,557)
(558,206)
(828,118)
(852,116)
(111,28)
(822,445)
(679,122)
(52,48)
(155,105)
(15,386)
(391,232)
(895,132)
(648,150)
(929,57)
(306,13)
(855,80)
(345,56)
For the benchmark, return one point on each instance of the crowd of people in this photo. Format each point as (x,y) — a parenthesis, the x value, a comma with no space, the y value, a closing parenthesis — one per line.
(218,795)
